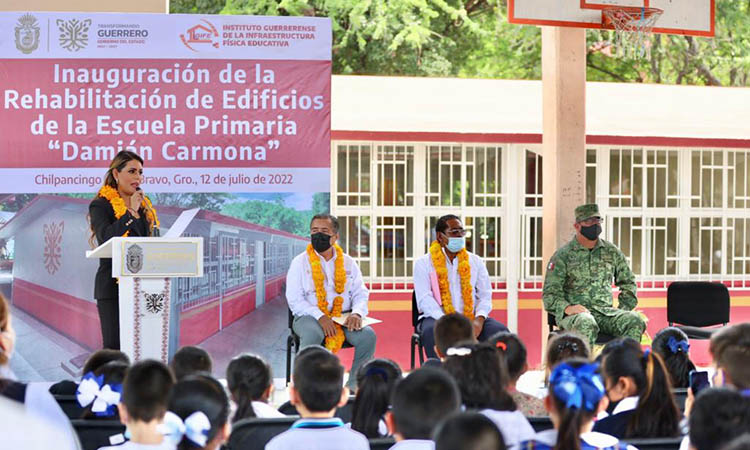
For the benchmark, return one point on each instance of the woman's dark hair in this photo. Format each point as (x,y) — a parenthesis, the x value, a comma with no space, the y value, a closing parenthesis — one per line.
(482,376)
(513,351)
(248,377)
(572,419)
(672,345)
(375,381)
(114,374)
(656,414)
(564,345)
(200,393)
(118,163)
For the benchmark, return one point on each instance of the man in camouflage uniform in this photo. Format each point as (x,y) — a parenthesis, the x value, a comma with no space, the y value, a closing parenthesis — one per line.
(578,283)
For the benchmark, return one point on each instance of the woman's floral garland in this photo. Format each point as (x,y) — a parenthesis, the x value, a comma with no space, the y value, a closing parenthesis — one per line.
(118,205)
(333,343)
(464,271)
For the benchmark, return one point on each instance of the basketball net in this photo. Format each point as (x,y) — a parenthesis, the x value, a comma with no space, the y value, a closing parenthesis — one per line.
(633,26)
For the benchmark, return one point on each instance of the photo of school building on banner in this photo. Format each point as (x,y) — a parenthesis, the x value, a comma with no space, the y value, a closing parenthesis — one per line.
(231,115)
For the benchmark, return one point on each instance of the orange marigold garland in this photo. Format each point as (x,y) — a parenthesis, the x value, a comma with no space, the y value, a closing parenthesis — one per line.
(335,342)
(464,272)
(118,205)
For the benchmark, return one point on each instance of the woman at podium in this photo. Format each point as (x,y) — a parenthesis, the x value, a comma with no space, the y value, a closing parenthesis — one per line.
(119,209)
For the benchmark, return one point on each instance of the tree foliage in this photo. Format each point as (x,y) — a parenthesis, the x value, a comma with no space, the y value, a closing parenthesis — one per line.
(273,214)
(472,38)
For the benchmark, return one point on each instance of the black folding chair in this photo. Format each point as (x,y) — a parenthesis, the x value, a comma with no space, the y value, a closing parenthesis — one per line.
(69,405)
(656,443)
(601,338)
(540,423)
(382,443)
(694,305)
(254,434)
(416,341)
(292,342)
(94,434)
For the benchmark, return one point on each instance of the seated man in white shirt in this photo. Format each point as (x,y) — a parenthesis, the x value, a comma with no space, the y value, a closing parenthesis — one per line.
(324,270)
(463,290)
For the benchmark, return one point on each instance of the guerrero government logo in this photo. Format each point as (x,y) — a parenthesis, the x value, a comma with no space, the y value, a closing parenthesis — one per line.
(74,34)
(27,34)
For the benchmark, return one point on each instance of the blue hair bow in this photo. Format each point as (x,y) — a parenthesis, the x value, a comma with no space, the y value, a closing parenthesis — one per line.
(579,387)
(676,346)
(103,398)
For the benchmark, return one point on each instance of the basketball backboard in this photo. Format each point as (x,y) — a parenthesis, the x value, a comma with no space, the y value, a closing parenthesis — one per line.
(690,17)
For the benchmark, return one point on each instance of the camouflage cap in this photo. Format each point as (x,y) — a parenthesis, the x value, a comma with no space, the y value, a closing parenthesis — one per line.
(587,211)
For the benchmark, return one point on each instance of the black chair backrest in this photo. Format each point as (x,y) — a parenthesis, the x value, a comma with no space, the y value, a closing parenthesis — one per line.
(252,434)
(540,423)
(656,443)
(291,318)
(345,412)
(414,310)
(69,405)
(680,395)
(94,434)
(551,321)
(382,443)
(288,409)
(697,303)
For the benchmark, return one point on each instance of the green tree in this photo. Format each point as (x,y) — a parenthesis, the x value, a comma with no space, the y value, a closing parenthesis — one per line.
(196,6)
(321,203)
(272,214)
(206,200)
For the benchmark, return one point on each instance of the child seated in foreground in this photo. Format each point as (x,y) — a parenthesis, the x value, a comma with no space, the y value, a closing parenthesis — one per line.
(145,394)
(198,416)
(316,391)
(513,350)
(576,396)
(420,401)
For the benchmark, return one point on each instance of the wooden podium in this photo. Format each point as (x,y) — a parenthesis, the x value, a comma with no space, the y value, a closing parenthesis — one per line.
(144,267)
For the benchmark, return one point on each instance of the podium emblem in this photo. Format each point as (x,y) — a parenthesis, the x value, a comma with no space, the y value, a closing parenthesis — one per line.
(154,303)
(134,258)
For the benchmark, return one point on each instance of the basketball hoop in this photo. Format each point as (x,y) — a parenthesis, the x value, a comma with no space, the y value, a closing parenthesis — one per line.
(632,25)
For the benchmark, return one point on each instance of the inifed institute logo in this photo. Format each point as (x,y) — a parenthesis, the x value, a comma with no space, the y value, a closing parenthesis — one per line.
(134,258)
(74,34)
(27,34)
(204,33)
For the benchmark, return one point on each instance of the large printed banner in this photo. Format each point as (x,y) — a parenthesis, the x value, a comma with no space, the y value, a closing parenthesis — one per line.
(212,103)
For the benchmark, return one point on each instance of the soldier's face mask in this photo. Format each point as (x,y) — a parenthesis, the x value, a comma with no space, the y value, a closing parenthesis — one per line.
(591,232)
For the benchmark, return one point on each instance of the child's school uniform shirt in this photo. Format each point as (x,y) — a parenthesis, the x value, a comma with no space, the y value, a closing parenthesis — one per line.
(165,445)
(319,434)
(414,444)
(265,411)
(512,424)
(546,440)
(617,423)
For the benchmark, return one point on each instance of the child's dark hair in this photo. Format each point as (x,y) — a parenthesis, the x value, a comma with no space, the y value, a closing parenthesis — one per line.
(202,393)
(565,345)
(146,390)
(656,414)
(102,357)
(742,442)
(718,416)
(481,375)
(672,345)
(248,378)
(450,330)
(421,400)
(190,360)
(513,351)
(468,431)
(730,349)
(375,380)
(114,373)
(569,378)
(318,379)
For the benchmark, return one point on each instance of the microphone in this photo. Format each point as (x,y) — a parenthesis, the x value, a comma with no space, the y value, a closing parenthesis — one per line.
(154,230)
